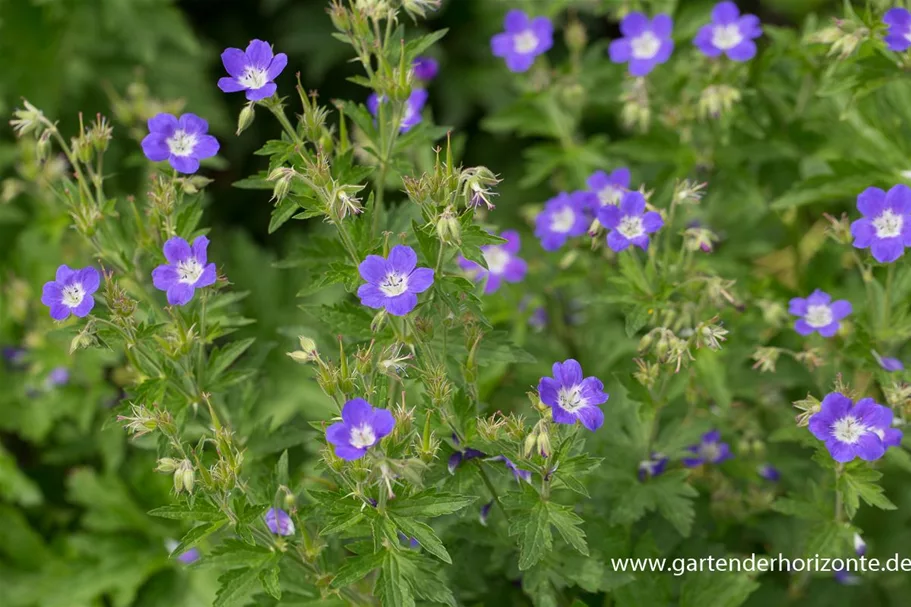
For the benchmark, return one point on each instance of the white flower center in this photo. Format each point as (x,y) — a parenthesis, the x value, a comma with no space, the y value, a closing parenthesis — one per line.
(562,221)
(888,225)
(253,78)
(362,437)
(394,284)
(571,399)
(497,259)
(709,451)
(726,36)
(189,271)
(818,316)
(610,195)
(631,226)
(73,295)
(848,429)
(525,43)
(181,143)
(645,46)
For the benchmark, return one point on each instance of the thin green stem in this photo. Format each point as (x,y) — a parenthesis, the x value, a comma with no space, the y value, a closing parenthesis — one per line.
(347,242)
(278,111)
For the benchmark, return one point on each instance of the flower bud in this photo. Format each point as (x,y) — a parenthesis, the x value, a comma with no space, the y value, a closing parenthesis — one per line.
(184,477)
(167,465)
(245,119)
(575,36)
(282,177)
(448,228)
(529,446)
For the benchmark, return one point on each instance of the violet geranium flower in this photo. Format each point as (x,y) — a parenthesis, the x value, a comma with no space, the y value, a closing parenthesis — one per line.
(729,33)
(629,223)
(709,450)
(768,472)
(393,283)
(185,271)
(573,398)
(852,430)
(885,227)
(71,292)
(253,70)
(645,43)
(412,112)
(523,40)
(279,522)
(183,141)
(898,38)
(609,188)
(518,473)
(502,263)
(425,68)
(819,313)
(653,466)
(361,427)
(563,217)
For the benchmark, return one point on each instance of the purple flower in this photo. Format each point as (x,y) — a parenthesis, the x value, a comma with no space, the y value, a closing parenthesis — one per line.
(573,398)
(252,70)
(523,40)
(14,356)
(361,427)
(425,68)
(485,512)
(645,43)
(185,271)
(768,472)
(653,466)
(279,522)
(819,313)
(518,473)
(629,223)
(563,216)
(538,318)
(71,292)
(710,450)
(854,430)
(182,142)
(729,33)
(609,188)
(891,364)
(898,38)
(59,376)
(412,112)
(459,456)
(502,263)
(393,283)
(412,542)
(885,227)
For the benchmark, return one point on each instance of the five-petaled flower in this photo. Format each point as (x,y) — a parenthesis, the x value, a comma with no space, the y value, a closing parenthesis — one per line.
(710,450)
(572,397)
(563,217)
(361,427)
(899,36)
(279,522)
(645,43)
(71,292)
(729,33)
(819,313)
(852,430)
(393,283)
(425,68)
(502,263)
(609,188)
(252,70)
(653,466)
(885,227)
(411,114)
(629,222)
(523,40)
(182,142)
(185,271)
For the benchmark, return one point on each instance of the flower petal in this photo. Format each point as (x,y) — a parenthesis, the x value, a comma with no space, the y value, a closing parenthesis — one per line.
(184,164)
(402,258)
(259,54)
(193,124)
(662,25)
(871,202)
(383,422)
(568,373)
(869,447)
(591,417)
(887,250)
(357,412)
(230,85)
(515,21)
(279,62)
(619,50)
(155,147)
(633,24)
(744,51)
(164,276)
(840,309)
(206,147)
(420,280)
(177,249)
(208,277)
(89,278)
(235,62)
(163,124)
(263,92)
(725,12)
(401,305)
(179,294)
(371,296)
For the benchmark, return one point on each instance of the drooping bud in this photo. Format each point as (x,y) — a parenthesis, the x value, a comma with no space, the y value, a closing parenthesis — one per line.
(279,522)
(245,118)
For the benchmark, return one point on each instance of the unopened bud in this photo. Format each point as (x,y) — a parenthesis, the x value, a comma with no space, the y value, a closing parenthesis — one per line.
(448,227)
(167,465)
(245,119)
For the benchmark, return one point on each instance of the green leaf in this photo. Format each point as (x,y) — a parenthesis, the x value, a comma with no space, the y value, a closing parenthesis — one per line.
(417,46)
(222,358)
(669,494)
(234,554)
(392,587)
(730,589)
(235,586)
(199,511)
(341,523)
(196,535)
(425,536)
(534,535)
(636,319)
(430,503)
(281,469)
(282,213)
(356,568)
(859,483)
(567,523)
(269,579)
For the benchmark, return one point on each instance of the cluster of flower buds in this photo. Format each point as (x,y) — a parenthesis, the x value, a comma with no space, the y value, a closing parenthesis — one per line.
(717,100)
(143,421)
(667,347)
(184,474)
(843,36)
